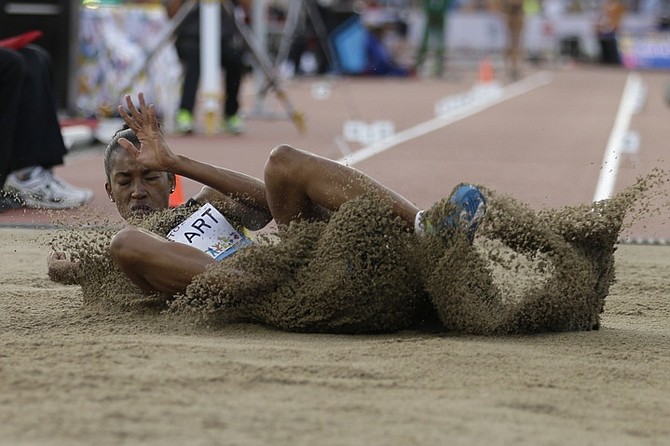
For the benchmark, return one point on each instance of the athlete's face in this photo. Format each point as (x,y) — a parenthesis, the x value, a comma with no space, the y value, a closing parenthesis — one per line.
(136,190)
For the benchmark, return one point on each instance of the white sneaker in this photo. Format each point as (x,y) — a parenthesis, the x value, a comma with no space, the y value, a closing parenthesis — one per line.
(42,189)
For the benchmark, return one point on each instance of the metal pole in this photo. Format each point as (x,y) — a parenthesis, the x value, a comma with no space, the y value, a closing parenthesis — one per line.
(210,54)
(263,62)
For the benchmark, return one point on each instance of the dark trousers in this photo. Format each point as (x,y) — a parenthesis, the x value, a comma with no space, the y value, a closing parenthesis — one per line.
(12,71)
(609,50)
(188,51)
(29,130)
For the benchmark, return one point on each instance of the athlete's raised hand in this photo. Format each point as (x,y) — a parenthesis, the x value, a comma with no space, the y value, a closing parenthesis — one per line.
(153,151)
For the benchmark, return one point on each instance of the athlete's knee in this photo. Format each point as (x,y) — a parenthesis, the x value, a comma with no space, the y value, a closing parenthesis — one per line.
(283,163)
(124,245)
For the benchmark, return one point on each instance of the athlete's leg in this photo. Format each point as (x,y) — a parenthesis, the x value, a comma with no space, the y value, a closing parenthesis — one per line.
(155,264)
(515,28)
(423,48)
(301,185)
(233,64)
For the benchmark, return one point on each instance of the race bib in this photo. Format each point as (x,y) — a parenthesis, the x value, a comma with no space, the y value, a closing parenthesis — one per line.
(209,231)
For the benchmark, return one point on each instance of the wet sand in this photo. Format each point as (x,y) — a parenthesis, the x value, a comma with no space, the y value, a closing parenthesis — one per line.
(71,374)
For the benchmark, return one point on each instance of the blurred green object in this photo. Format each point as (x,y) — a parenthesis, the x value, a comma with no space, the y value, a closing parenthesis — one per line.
(94,4)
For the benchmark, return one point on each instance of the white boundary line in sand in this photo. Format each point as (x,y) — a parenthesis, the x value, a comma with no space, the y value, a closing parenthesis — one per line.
(614,150)
(508,92)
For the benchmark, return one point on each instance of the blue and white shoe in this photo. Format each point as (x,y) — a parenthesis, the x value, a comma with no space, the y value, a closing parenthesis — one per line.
(470,209)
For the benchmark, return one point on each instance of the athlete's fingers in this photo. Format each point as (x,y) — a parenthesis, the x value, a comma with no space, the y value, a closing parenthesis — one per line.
(143,105)
(57,255)
(153,119)
(128,146)
(131,106)
(126,117)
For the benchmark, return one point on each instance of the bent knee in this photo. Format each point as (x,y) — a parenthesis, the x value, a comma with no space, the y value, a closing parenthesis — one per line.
(283,162)
(123,247)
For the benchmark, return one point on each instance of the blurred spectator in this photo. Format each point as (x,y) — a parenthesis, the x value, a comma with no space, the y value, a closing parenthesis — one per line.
(435,12)
(188,48)
(514,18)
(658,10)
(381,25)
(663,15)
(31,143)
(379,60)
(607,27)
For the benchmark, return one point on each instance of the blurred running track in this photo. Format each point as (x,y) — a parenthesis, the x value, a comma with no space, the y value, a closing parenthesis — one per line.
(543,141)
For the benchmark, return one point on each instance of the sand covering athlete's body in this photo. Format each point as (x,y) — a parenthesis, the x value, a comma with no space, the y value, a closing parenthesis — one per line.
(140,169)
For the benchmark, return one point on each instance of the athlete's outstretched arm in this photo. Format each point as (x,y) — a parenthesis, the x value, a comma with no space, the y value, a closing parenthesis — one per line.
(155,264)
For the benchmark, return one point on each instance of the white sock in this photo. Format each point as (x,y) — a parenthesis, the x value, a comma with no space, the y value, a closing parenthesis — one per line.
(419,226)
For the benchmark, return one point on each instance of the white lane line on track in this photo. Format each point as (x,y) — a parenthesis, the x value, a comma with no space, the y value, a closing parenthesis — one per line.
(614,150)
(510,91)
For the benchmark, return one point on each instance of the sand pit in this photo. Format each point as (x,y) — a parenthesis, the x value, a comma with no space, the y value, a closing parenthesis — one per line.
(363,271)
(72,372)
(76,372)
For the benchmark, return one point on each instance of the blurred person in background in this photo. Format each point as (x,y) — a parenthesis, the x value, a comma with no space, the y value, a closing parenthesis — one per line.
(379,60)
(435,16)
(382,27)
(513,11)
(31,143)
(607,27)
(188,49)
(663,15)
